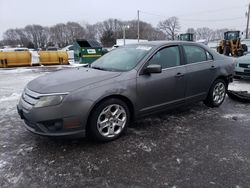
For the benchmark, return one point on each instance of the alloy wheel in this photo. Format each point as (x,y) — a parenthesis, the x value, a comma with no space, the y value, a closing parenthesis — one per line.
(111,120)
(219,93)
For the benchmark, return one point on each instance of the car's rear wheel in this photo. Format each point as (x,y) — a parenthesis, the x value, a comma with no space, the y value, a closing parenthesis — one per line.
(216,93)
(109,120)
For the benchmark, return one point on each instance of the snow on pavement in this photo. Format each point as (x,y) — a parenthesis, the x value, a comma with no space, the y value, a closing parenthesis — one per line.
(240,85)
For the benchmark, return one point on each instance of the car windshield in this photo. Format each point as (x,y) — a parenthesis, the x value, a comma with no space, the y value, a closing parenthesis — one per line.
(122,59)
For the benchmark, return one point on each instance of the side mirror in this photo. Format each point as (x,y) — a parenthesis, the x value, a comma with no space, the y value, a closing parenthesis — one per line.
(154,68)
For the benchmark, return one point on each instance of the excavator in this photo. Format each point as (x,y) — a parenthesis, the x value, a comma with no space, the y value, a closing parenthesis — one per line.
(231,44)
(186,37)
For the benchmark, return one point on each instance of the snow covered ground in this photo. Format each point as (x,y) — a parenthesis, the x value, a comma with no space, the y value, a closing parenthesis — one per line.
(193,147)
(240,85)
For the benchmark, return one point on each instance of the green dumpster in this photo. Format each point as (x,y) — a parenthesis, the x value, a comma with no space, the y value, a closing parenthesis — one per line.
(87,51)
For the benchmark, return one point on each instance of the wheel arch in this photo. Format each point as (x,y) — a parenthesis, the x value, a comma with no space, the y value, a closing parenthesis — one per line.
(224,78)
(123,98)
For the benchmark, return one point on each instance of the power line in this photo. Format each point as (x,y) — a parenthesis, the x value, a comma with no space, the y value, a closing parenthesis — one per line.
(213,10)
(195,13)
(214,20)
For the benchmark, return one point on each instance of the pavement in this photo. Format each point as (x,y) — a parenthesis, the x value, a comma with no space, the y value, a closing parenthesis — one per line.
(193,146)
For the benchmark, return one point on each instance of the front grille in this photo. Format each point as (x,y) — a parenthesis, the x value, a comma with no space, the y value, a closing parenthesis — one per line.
(243,73)
(29,99)
(244,65)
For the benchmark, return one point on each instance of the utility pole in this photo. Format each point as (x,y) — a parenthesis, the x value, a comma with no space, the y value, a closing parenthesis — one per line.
(248,14)
(138,25)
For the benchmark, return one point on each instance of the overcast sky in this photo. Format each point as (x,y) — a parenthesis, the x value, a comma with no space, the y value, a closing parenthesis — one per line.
(191,13)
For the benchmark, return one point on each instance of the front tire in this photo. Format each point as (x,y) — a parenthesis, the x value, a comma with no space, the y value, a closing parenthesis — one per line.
(109,120)
(226,50)
(216,94)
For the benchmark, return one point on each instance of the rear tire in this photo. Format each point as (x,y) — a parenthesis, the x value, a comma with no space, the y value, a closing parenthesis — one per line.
(109,120)
(245,48)
(216,94)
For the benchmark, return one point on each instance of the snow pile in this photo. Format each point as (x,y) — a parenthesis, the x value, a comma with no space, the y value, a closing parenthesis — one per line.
(2,164)
(237,117)
(230,116)
(12,97)
(240,86)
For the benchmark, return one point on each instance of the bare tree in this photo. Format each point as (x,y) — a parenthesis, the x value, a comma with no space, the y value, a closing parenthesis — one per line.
(112,29)
(90,31)
(219,33)
(108,31)
(58,35)
(74,31)
(204,33)
(147,31)
(170,26)
(36,35)
(191,30)
(16,37)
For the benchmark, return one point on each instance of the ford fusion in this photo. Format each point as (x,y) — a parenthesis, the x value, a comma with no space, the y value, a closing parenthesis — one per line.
(126,83)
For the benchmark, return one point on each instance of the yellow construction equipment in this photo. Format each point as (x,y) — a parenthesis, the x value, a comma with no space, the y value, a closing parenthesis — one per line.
(231,44)
(53,57)
(15,59)
(24,58)
(186,37)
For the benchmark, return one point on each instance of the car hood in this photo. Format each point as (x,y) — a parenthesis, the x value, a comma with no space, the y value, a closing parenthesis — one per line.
(244,59)
(69,80)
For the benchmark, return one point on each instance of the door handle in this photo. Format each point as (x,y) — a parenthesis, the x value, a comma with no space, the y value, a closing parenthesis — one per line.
(179,75)
(212,67)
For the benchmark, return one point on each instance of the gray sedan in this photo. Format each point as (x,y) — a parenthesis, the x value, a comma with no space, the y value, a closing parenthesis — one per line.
(127,83)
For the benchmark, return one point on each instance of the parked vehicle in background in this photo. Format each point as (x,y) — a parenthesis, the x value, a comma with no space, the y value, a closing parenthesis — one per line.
(186,37)
(126,83)
(68,48)
(14,49)
(51,48)
(242,67)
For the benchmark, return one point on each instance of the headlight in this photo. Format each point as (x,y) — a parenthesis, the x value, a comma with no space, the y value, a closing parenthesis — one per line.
(49,101)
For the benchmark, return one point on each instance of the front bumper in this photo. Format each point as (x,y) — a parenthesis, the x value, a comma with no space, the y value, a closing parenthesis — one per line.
(242,72)
(68,118)
(57,127)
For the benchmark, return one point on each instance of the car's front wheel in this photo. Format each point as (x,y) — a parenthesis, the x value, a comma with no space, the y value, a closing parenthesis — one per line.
(109,120)
(216,93)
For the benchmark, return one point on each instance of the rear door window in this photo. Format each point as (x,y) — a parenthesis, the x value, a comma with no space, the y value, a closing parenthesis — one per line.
(195,54)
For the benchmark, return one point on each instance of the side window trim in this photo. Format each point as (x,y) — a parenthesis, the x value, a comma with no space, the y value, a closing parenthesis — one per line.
(209,54)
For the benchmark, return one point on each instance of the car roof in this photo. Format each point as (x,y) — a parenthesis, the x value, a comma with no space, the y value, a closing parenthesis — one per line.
(164,42)
(157,44)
